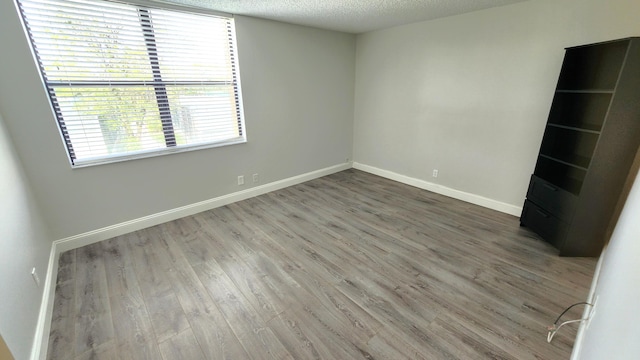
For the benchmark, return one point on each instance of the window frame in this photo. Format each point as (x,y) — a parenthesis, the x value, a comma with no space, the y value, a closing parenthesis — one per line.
(159,88)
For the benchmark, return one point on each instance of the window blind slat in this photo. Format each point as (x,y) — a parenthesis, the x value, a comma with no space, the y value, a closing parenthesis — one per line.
(125,80)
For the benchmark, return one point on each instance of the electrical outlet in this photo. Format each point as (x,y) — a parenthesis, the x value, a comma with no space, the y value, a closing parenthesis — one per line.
(435,173)
(241,180)
(34,275)
(256,178)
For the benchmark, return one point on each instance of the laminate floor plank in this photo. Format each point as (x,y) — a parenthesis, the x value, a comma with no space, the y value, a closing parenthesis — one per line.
(244,320)
(250,271)
(315,336)
(388,346)
(105,351)
(66,267)
(306,257)
(336,308)
(94,324)
(463,343)
(181,346)
(62,332)
(347,266)
(152,268)
(344,313)
(208,324)
(131,321)
(460,262)
(258,340)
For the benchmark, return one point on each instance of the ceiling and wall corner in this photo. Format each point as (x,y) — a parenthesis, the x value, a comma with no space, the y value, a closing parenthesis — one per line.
(351,16)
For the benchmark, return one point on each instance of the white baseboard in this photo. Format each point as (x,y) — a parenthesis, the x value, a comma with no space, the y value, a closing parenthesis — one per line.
(442,190)
(43,326)
(90,237)
(39,351)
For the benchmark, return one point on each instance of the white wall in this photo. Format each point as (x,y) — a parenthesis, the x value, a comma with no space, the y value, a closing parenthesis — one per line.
(24,243)
(470,94)
(614,328)
(298,86)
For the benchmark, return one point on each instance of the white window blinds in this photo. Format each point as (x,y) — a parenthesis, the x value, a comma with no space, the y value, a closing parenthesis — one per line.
(129,81)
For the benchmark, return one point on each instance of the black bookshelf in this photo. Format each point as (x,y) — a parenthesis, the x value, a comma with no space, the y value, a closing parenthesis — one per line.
(591,138)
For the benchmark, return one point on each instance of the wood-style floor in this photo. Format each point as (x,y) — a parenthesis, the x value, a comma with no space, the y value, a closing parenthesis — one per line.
(348,266)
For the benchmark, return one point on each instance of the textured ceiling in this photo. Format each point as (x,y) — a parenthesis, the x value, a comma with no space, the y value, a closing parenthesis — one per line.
(353,16)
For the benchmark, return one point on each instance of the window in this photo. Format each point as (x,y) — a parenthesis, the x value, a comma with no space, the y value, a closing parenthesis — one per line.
(128,81)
